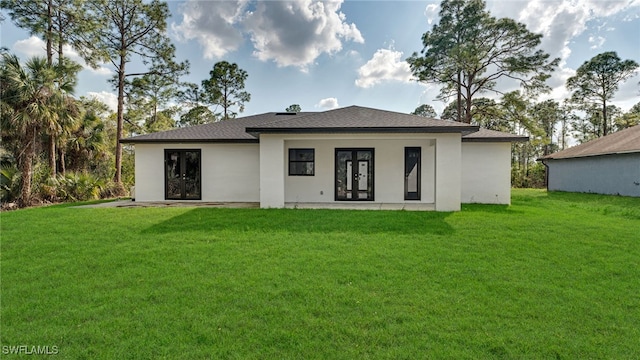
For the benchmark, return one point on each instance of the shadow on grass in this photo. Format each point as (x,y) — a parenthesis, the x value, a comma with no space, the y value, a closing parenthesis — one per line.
(592,197)
(305,221)
(493,209)
(609,205)
(71,204)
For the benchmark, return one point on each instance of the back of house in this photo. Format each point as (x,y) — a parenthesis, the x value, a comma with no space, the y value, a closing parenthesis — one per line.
(354,157)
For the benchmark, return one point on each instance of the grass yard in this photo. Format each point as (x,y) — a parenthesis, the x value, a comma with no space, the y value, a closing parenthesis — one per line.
(554,275)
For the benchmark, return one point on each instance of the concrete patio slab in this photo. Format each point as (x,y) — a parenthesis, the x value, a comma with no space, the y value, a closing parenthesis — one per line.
(134,204)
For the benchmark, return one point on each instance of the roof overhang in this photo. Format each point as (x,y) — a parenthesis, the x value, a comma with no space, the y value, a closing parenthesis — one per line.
(188,141)
(544,158)
(496,139)
(255,131)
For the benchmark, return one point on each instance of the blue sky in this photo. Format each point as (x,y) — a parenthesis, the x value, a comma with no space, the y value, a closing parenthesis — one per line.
(323,55)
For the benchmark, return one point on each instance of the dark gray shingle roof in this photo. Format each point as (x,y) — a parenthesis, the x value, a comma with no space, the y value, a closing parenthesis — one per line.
(350,119)
(624,141)
(361,119)
(232,130)
(486,135)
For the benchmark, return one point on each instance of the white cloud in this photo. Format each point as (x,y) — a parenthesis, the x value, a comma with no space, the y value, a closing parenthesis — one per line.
(432,13)
(385,65)
(296,33)
(328,103)
(291,33)
(558,21)
(632,16)
(597,42)
(110,99)
(34,46)
(214,24)
(561,21)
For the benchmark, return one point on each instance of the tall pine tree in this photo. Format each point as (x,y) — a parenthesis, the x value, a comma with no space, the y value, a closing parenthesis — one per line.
(468,51)
(597,80)
(133,28)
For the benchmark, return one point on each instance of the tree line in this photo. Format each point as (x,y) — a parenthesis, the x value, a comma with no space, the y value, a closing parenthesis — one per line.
(68,147)
(56,146)
(470,53)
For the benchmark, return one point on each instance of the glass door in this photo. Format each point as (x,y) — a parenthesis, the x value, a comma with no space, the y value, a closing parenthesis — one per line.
(412,173)
(182,174)
(354,174)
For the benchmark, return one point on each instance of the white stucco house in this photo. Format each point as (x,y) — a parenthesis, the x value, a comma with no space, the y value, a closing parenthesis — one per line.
(607,165)
(352,157)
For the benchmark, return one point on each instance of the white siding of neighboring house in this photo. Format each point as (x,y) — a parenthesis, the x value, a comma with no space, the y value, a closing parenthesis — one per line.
(617,174)
(486,172)
(230,172)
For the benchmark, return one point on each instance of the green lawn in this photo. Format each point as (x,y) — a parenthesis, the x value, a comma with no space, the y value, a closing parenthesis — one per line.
(554,275)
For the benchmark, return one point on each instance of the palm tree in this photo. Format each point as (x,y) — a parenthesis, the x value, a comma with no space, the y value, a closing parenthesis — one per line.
(89,143)
(31,99)
(59,127)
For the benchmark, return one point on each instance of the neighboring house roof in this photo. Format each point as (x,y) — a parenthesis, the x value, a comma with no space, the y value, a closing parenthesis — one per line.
(621,142)
(352,119)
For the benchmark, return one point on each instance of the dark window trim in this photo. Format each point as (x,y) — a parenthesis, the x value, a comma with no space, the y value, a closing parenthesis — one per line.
(371,166)
(313,162)
(164,164)
(419,179)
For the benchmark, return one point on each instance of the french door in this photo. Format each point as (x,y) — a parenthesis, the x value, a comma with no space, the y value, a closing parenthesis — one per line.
(182,174)
(354,175)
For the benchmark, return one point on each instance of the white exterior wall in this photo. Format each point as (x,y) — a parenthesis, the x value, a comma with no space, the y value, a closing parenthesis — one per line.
(451,171)
(617,174)
(272,167)
(388,167)
(230,172)
(448,172)
(486,172)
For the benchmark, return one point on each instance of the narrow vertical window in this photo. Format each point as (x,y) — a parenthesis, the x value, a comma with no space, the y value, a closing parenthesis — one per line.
(412,173)
(301,162)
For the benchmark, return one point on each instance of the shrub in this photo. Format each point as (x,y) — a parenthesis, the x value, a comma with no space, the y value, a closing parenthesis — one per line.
(112,190)
(533,177)
(48,190)
(10,180)
(79,187)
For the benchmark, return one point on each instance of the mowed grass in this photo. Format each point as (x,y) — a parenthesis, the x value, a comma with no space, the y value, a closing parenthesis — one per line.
(554,275)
